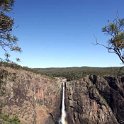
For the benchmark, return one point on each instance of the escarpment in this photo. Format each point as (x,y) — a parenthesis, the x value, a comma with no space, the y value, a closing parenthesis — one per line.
(95,100)
(33,98)
(37,99)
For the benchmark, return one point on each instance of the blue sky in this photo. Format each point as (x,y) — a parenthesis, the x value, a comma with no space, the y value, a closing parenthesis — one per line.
(61,33)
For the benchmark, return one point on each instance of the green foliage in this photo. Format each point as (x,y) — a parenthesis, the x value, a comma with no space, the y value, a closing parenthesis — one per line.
(115,30)
(16,66)
(5,23)
(6,5)
(71,73)
(6,119)
(8,42)
(74,73)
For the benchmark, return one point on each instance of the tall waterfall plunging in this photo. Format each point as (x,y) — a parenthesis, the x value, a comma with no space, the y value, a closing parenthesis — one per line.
(63,112)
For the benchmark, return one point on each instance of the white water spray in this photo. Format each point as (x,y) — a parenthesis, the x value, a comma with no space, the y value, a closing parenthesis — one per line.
(63,112)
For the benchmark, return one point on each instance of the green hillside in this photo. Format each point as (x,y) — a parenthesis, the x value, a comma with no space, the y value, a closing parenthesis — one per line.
(72,73)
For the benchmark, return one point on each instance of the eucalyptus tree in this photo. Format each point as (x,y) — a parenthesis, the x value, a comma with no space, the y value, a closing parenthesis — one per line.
(115,32)
(8,42)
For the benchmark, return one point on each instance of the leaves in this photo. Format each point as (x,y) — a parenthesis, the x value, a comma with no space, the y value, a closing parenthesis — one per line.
(115,30)
(6,23)
(118,40)
(6,5)
(121,22)
(8,42)
(7,119)
(16,48)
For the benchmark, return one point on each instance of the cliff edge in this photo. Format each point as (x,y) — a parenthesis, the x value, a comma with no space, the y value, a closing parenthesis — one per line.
(36,99)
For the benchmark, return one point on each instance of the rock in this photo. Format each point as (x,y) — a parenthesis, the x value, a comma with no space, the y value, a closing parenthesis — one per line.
(36,99)
(32,97)
(95,100)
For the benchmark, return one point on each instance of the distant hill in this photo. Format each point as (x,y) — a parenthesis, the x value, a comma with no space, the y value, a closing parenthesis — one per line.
(72,73)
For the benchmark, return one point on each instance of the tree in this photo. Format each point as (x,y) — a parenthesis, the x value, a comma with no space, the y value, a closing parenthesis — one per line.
(115,31)
(8,42)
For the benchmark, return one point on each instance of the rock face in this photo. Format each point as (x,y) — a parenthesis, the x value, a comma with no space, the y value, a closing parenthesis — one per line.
(95,100)
(36,99)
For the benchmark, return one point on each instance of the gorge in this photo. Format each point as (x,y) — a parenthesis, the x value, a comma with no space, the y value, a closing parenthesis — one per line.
(39,99)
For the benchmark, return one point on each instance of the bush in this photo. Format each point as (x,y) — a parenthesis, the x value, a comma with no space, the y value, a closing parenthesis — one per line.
(6,119)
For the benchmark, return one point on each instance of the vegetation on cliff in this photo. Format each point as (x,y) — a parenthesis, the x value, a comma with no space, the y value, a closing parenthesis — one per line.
(6,119)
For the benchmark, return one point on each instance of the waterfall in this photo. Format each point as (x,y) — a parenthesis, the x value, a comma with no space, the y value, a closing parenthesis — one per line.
(63,112)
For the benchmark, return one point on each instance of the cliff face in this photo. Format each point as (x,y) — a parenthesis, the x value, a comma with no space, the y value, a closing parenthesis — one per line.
(36,99)
(95,100)
(32,97)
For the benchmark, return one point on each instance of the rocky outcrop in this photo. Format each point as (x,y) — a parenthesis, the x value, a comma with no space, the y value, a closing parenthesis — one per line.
(95,100)
(35,99)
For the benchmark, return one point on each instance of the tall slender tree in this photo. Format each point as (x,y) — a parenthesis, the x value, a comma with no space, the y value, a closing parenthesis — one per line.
(8,42)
